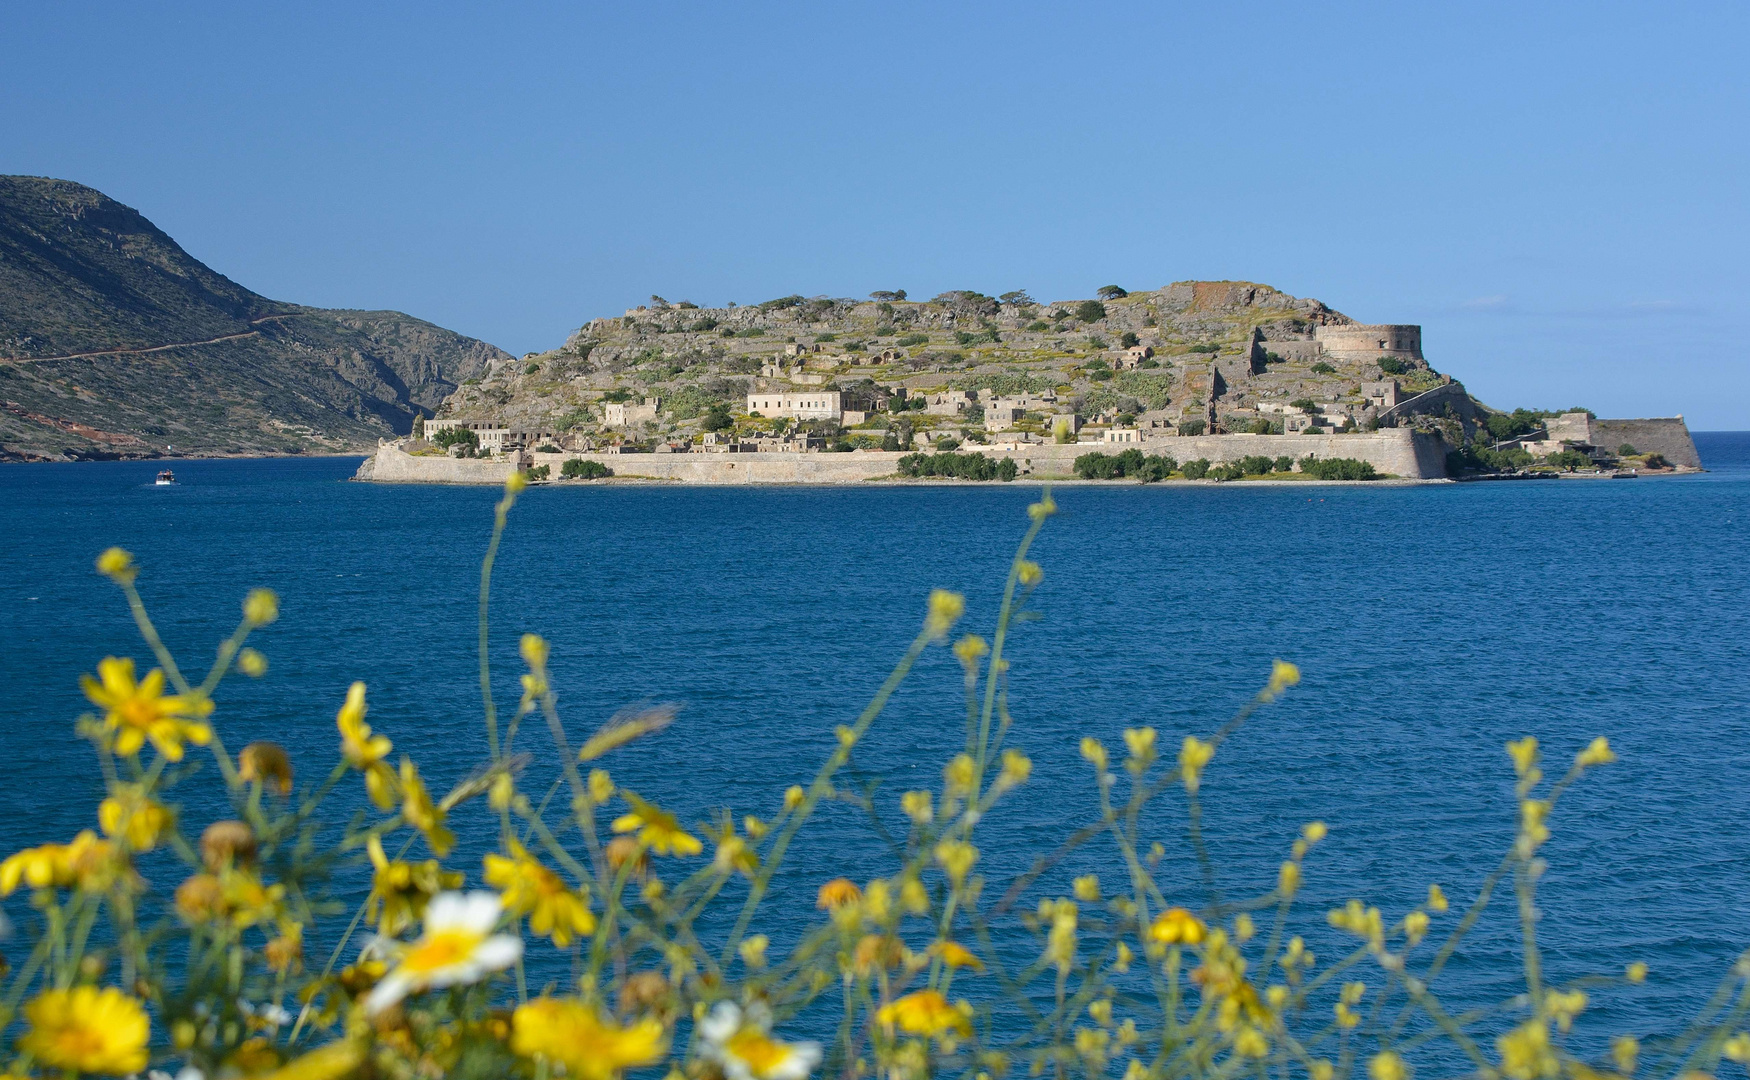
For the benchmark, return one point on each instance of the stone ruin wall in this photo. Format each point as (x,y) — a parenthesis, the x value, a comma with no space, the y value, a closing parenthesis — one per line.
(1358,341)
(1658,435)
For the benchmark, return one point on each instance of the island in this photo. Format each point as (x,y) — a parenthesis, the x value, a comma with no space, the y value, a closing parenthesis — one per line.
(1199,380)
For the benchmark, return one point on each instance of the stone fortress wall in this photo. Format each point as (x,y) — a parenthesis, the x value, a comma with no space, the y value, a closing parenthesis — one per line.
(1399,451)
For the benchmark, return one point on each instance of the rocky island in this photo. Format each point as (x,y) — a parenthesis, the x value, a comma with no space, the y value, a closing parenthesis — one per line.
(1216,379)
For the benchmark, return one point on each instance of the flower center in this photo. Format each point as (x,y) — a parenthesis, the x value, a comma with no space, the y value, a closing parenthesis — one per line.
(441,950)
(761,1054)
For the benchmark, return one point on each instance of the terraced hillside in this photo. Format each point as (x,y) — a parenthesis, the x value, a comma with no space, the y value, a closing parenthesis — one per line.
(1216,356)
(114,342)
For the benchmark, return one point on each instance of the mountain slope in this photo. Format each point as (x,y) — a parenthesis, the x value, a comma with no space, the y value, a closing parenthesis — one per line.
(114,342)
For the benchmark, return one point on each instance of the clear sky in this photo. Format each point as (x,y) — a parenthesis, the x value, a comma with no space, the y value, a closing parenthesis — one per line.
(1555,191)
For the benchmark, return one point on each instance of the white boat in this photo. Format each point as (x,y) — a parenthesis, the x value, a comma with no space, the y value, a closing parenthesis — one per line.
(166,478)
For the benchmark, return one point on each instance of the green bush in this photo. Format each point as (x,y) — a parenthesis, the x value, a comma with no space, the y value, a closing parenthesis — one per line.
(1111,292)
(454,436)
(1657,461)
(1338,469)
(1131,462)
(1038,327)
(970,466)
(1128,340)
(1322,368)
(1305,405)
(1627,450)
(1090,311)
(1231,470)
(909,340)
(1191,427)
(546,448)
(1284,464)
(1391,365)
(1206,348)
(1254,465)
(717,418)
(947,442)
(1570,460)
(579,469)
(1195,470)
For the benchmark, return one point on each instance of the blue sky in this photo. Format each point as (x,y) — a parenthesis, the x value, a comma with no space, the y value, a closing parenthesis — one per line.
(1556,192)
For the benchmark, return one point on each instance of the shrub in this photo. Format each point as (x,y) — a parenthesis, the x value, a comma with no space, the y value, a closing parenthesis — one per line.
(1111,292)
(1231,470)
(1038,326)
(531,369)
(822,339)
(1192,427)
(717,418)
(454,436)
(546,448)
(1391,365)
(1195,470)
(887,296)
(1305,405)
(1284,464)
(1570,460)
(1322,368)
(579,469)
(969,466)
(1090,311)
(1656,461)
(539,472)
(1338,469)
(908,340)
(947,442)
(703,326)
(1627,450)
(1097,342)
(1253,465)
(1205,348)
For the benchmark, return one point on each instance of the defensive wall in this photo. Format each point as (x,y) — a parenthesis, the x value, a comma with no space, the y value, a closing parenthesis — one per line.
(1400,451)
(1358,341)
(1658,435)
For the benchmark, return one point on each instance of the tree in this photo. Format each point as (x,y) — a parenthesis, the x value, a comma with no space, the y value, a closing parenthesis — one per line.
(1128,340)
(455,436)
(657,302)
(1017,298)
(578,469)
(717,418)
(888,296)
(1111,292)
(1090,311)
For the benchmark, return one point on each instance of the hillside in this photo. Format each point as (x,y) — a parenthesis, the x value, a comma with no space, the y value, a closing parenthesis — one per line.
(1195,356)
(114,342)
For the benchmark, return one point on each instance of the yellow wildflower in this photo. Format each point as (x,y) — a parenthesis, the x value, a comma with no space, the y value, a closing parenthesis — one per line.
(1387,1065)
(959,775)
(657,830)
(1524,755)
(1635,972)
(87,1030)
(1027,572)
(1415,926)
(251,663)
(1094,752)
(968,650)
(267,763)
(956,955)
(1625,1050)
(1176,926)
(246,901)
(1288,878)
(1141,742)
(1250,1042)
(226,843)
(534,650)
(1597,752)
(1087,888)
(945,609)
(1314,831)
(916,805)
(1436,899)
(1044,508)
(753,950)
(837,893)
(1194,754)
(131,814)
(1321,1070)
(913,897)
(1244,927)
(141,710)
(1060,942)
(601,786)
(1017,767)
(87,862)
(1532,831)
(531,889)
(514,485)
(567,1032)
(200,898)
(956,858)
(423,814)
(1526,1052)
(733,855)
(401,890)
(1563,1006)
(117,564)
(926,1012)
(364,751)
(261,607)
(1282,676)
(286,952)
(793,796)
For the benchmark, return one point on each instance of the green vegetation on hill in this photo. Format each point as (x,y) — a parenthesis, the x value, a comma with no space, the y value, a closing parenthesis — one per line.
(183,356)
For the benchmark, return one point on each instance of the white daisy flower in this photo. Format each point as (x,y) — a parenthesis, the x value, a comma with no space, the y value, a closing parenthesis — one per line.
(458,947)
(742,1044)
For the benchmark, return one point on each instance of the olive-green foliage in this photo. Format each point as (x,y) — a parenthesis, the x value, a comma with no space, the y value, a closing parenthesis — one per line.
(908,340)
(1090,311)
(455,436)
(1626,450)
(539,472)
(970,466)
(1192,427)
(1005,384)
(1571,459)
(579,469)
(1322,368)
(1131,463)
(1391,365)
(1208,347)
(1195,470)
(717,418)
(1338,468)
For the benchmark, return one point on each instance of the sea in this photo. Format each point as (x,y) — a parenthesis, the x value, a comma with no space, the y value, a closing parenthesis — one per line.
(1432,624)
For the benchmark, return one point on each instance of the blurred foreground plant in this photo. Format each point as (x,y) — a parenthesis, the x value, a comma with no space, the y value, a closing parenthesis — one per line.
(673,955)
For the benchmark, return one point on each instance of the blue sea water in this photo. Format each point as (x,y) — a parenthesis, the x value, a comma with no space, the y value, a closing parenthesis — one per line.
(1432,624)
